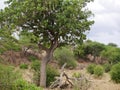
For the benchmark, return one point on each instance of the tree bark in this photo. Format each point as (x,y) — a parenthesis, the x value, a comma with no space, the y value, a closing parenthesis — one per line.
(44,62)
(46,58)
(43,72)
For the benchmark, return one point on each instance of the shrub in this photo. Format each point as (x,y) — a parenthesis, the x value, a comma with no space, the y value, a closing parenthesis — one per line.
(79,51)
(21,84)
(115,73)
(51,73)
(76,75)
(2,50)
(12,46)
(107,67)
(32,58)
(90,68)
(7,77)
(24,66)
(98,71)
(65,55)
(112,54)
(36,65)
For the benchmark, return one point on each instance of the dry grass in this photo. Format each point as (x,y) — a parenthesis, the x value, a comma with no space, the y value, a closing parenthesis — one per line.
(103,83)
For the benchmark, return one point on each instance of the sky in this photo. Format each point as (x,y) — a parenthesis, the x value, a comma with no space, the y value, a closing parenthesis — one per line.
(106,28)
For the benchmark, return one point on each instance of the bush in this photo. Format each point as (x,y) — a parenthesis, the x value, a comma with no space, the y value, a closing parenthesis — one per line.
(115,73)
(79,51)
(112,54)
(24,66)
(36,65)
(7,77)
(51,73)
(21,84)
(12,46)
(9,80)
(76,75)
(98,71)
(64,55)
(90,68)
(2,49)
(32,58)
(107,67)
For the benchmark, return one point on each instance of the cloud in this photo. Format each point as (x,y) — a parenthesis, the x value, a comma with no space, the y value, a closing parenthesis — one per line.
(107,19)
(2,5)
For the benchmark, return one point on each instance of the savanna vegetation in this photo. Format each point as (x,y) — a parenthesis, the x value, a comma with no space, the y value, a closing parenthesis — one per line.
(38,37)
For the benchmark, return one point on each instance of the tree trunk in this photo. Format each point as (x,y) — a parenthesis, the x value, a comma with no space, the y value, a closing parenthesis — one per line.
(44,62)
(43,72)
(45,59)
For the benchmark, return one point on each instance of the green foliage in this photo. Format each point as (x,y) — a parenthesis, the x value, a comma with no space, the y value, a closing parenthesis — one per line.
(76,75)
(32,58)
(93,48)
(9,80)
(115,73)
(79,51)
(98,71)
(51,73)
(65,55)
(24,66)
(89,47)
(112,44)
(112,54)
(52,20)
(36,65)
(36,78)
(90,68)
(21,84)
(2,49)
(107,67)
(7,77)
(9,45)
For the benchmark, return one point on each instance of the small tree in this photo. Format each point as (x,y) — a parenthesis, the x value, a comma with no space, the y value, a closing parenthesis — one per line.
(112,44)
(53,22)
(65,55)
(93,48)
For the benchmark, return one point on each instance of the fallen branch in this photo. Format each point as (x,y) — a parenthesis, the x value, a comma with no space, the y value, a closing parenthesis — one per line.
(63,81)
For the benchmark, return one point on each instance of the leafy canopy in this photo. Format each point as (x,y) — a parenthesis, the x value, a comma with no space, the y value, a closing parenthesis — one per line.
(52,21)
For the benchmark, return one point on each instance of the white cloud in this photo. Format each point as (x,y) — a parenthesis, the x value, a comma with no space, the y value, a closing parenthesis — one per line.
(107,19)
(2,5)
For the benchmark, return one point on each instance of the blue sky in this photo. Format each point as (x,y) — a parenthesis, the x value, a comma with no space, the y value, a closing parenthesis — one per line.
(107,21)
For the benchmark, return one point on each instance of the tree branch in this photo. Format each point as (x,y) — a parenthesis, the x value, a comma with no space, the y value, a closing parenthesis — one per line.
(42,47)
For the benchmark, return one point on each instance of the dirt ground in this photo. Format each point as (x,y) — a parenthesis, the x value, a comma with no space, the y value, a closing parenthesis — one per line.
(103,83)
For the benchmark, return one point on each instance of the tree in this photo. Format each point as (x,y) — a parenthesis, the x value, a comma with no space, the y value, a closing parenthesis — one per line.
(54,22)
(112,54)
(112,44)
(89,47)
